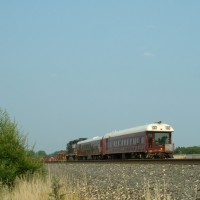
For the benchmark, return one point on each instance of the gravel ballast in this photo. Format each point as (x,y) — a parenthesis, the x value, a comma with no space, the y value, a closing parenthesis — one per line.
(133,181)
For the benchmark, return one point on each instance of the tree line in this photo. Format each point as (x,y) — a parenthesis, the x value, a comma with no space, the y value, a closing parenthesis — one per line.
(187,150)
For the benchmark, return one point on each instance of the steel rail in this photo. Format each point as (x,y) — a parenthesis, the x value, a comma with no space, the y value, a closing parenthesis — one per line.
(133,161)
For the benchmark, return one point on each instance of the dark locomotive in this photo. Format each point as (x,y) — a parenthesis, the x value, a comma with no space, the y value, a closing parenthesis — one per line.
(148,141)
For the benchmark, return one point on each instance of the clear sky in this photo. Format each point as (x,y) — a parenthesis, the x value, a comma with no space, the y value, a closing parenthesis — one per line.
(71,69)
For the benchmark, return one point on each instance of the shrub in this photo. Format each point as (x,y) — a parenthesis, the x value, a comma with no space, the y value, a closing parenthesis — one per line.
(15,157)
(56,190)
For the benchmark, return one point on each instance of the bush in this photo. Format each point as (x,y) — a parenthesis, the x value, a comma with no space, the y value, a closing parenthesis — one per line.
(15,157)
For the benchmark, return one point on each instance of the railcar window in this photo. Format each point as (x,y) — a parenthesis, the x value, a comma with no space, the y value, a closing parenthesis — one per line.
(131,141)
(150,139)
(142,140)
(134,141)
(161,138)
(110,144)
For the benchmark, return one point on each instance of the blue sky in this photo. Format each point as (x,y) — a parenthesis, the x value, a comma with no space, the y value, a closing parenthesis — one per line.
(71,69)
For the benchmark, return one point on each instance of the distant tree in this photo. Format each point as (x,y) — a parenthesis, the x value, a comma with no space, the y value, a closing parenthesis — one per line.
(188,150)
(40,154)
(15,157)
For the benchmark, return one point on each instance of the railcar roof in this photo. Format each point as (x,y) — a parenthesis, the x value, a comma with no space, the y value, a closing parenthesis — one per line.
(90,140)
(156,127)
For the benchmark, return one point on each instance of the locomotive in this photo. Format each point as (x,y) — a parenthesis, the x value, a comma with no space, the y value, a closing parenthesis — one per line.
(148,141)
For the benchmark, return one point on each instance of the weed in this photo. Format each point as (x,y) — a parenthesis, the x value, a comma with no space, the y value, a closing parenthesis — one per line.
(56,193)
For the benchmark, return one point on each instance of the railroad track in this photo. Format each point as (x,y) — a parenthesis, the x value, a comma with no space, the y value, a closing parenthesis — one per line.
(135,161)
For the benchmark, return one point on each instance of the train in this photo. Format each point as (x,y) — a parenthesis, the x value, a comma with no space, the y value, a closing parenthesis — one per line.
(148,141)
